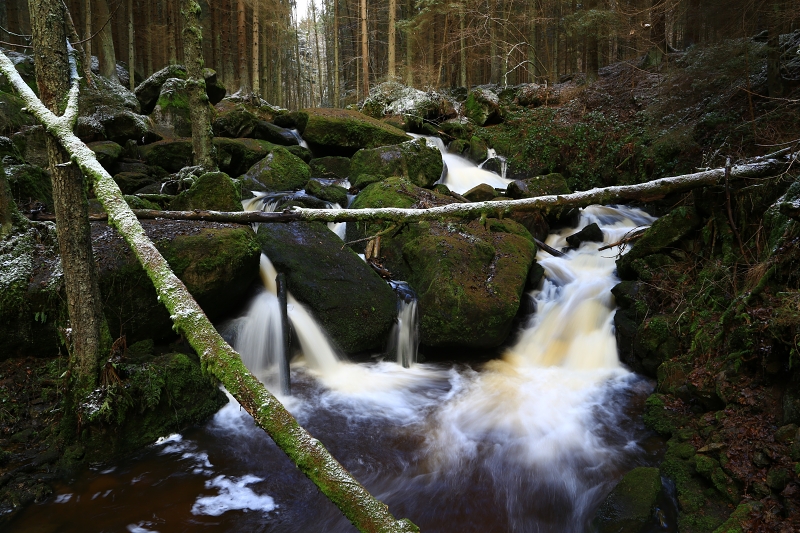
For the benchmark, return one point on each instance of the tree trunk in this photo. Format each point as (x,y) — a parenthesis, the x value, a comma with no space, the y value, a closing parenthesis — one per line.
(392,39)
(256,55)
(592,65)
(218,358)
(774,81)
(85,341)
(364,49)
(462,47)
(87,58)
(199,108)
(658,29)
(317,51)
(409,49)
(105,55)
(241,45)
(131,59)
(336,89)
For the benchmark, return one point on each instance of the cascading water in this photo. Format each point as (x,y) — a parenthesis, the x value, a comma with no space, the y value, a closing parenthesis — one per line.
(404,340)
(461,173)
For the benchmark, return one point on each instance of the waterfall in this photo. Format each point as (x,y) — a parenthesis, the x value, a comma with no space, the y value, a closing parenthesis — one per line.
(404,340)
(259,340)
(302,142)
(462,174)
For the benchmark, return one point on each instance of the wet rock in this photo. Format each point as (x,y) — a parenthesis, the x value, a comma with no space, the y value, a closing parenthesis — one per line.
(354,306)
(212,191)
(332,165)
(483,107)
(31,144)
(413,160)
(664,232)
(216,262)
(109,111)
(29,184)
(171,116)
(631,506)
(279,171)
(131,182)
(478,150)
(458,128)
(342,132)
(590,233)
(170,154)
(147,92)
(235,156)
(242,120)
(546,185)
(106,152)
(330,193)
(481,193)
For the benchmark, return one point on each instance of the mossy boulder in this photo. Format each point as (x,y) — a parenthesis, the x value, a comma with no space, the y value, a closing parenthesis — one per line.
(481,193)
(235,156)
(134,202)
(328,192)
(172,115)
(29,184)
(483,107)
(469,278)
(414,160)
(106,152)
(241,120)
(12,116)
(343,132)
(170,154)
(538,186)
(31,143)
(213,191)
(478,150)
(664,232)
(330,166)
(217,262)
(148,92)
(355,306)
(395,192)
(109,111)
(631,506)
(279,171)
(131,182)
(155,398)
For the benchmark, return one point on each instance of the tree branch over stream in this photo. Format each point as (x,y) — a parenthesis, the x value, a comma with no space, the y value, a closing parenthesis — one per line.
(358,505)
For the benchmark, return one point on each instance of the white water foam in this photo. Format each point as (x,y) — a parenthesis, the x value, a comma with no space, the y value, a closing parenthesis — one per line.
(234,495)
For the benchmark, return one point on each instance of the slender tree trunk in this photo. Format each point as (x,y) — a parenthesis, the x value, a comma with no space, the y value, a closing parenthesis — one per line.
(591,48)
(256,54)
(392,39)
(105,54)
(172,32)
(774,81)
(88,28)
(244,78)
(364,49)
(202,136)
(131,56)
(336,87)
(658,29)
(317,51)
(86,340)
(462,46)
(409,48)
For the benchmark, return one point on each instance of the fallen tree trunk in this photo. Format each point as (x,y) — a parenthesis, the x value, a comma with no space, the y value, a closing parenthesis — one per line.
(760,167)
(358,505)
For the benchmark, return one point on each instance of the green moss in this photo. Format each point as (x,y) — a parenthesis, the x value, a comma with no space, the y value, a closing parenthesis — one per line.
(414,160)
(279,171)
(736,522)
(29,183)
(347,131)
(392,192)
(212,190)
(631,505)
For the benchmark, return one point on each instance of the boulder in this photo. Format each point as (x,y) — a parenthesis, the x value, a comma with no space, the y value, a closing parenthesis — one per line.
(664,232)
(397,192)
(469,278)
(535,95)
(31,143)
(147,92)
(235,156)
(538,186)
(411,105)
(354,306)
(29,184)
(478,150)
(171,116)
(481,193)
(12,116)
(240,120)
(131,182)
(328,192)
(217,262)
(322,167)
(631,506)
(343,132)
(108,111)
(590,233)
(211,191)
(279,171)
(414,160)
(483,107)
(106,152)
(170,154)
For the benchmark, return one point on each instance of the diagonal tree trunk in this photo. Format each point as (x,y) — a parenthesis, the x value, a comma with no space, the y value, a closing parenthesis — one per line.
(359,506)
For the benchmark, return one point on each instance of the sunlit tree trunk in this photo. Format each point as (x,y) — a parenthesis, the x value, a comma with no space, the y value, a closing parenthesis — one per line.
(256,52)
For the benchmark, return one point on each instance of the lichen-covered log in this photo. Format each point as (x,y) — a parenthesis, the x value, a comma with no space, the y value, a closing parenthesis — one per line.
(310,456)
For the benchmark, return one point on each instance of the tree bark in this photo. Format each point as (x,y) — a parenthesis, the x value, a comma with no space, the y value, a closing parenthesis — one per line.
(592,65)
(364,49)
(336,89)
(244,78)
(105,54)
(256,69)
(361,508)
(199,108)
(392,39)
(85,342)
(131,45)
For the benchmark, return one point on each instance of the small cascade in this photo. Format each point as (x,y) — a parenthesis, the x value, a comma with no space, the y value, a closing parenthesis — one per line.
(259,340)
(462,174)
(492,155)
(404,341)
(302,142)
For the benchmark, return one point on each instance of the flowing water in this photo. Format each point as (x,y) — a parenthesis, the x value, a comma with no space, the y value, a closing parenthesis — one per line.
(530,442)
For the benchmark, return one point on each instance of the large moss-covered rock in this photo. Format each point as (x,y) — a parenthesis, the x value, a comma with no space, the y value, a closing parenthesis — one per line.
(31,143)
(664,232)
(235,156)
(170,154)
(355,306)
(343,132)
(469,277)
(12,116)
(237,120)
(279,171)
(413,160)
(106,152)
(410,105)
(212,190)
(538,186)
(630,507)
(330,193)
(29,184)
(330,166)
(147,92)
(109,111)
(217,262)
(172,116)
(483,107)
(157,396)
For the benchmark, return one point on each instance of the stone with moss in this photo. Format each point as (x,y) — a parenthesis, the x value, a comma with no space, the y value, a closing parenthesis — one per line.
(148,92)
(279,171)
(171,116)
(352,303)
(235,156)
(169,154)
(481,193)
(478,150)
(135,202)
(539,186)
(361,181)
(106,152)
(337,166)
(211,191)
(334,194)
(414,160)
(155,397)
(109,111)
(469,278)
(12,116)
(483,107)
(132,182)
(217,263)
(243,119)
(664,232)
(30,184)
(31,143)
(631,506)
(342,132)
